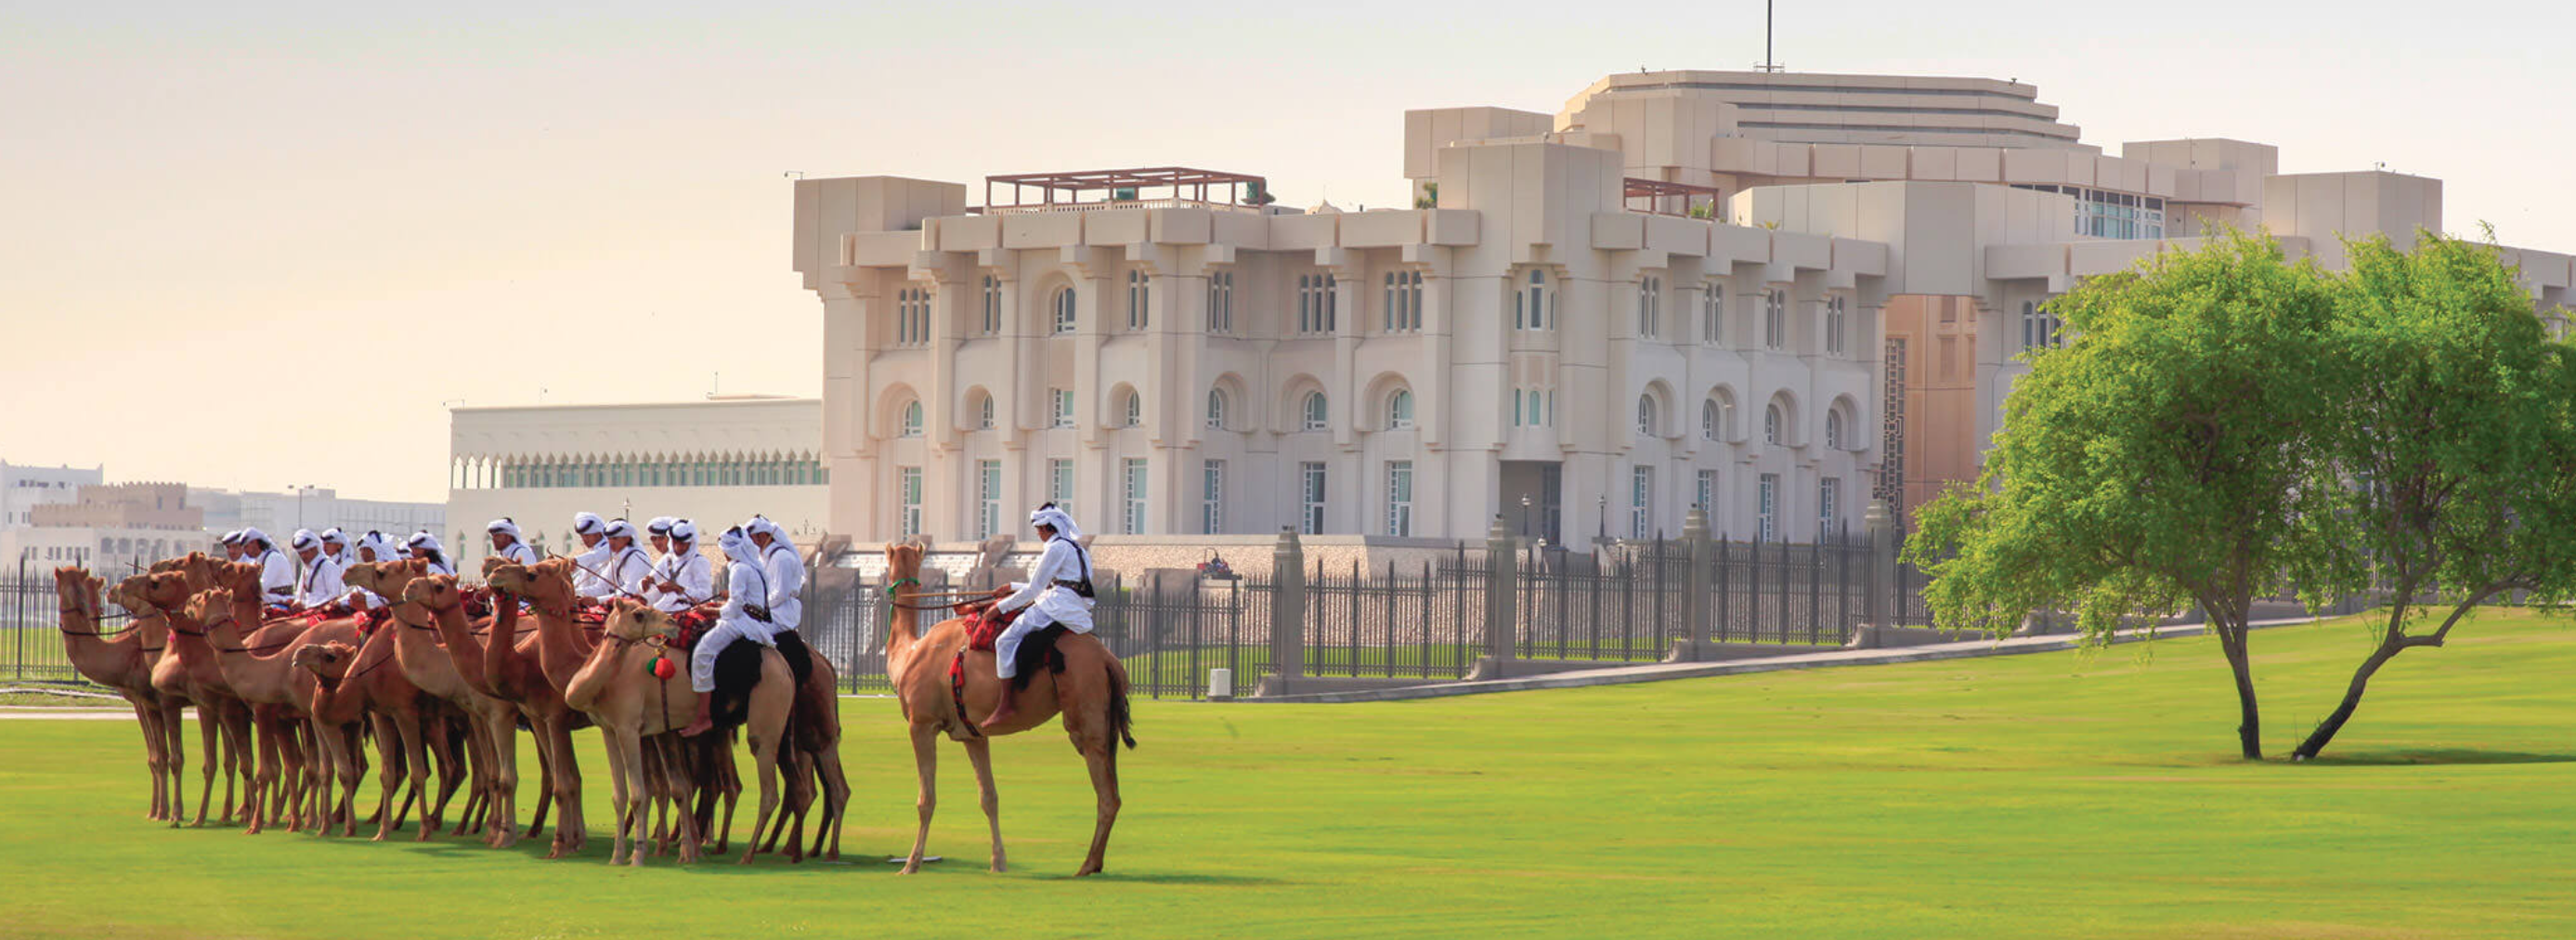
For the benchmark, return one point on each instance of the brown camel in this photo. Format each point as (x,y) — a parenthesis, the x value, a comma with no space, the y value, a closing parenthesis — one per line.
(119,660)
(1091,693)
(435,605)
(429,727)
(263,673)
(532,673)
(626,699)
(188,669)
(287,756)
(168,719)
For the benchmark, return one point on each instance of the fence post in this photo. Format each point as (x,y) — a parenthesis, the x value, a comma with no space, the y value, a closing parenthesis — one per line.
(1696,643)
(1287,614)
(1880,575)
(1500,619)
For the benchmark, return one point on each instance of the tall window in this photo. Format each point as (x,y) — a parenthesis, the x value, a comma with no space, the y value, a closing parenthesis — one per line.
(1060,484)
(1829,495)
(1133,411)
(2039,328)
(1833,428)
(1641,502)
(1315,412)
(1708,426)
(1770,507)
(1403,301)
(1399,497)
(908,494)
(1712,314)
(1310,490)
(1216,409)
(1064,310)
(984,413)
(1140,300)
(1134,475)
(1212,497)
(1533,307)
(1059,408)
(912,316)
(1650,290)
(1775,319)
(912,418)
(1834,325)
(988,498)
(1399,410)
(1707,495)
(1646,423)
(992,305)
(1316,308)
(1771,421)
(1220,302)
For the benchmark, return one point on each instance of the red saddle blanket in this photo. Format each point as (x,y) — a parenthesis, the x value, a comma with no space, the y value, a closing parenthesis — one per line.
(982,628)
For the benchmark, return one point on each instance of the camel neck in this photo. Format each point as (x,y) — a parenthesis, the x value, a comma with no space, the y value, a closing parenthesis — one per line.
(461,647)
(904,628)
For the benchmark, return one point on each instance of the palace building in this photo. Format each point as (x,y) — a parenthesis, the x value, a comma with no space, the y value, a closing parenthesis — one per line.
(1774,296)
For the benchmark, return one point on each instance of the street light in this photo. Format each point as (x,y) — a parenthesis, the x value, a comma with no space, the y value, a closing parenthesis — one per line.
(1525,508)
(300,490)
(1601,516)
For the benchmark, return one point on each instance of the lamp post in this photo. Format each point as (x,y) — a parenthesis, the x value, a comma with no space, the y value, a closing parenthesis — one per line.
(1525,509)
(1601,519)
(300,489)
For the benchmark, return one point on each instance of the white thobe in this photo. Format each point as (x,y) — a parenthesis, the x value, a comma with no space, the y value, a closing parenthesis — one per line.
(276,578)
(742,584)
(627,571)
(1047,603)
(321,583)
(786,574)
(588,569)
(692,572)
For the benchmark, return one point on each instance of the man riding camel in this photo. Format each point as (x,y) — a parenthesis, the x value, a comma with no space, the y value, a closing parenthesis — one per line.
(593,532)
(1058,592)
(335,544)
(508,544)
(685,578)
(744,617)
(424,546)
(628,568)
(321,584)
(276,571)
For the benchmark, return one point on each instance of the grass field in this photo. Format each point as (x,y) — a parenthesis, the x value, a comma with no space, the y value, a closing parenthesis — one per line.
(2052,795)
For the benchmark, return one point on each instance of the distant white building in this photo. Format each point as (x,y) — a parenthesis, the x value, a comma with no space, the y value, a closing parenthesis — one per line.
(22,488)
(716,461)
(316,508)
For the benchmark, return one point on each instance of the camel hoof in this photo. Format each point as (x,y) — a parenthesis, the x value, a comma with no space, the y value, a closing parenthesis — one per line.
(910,868)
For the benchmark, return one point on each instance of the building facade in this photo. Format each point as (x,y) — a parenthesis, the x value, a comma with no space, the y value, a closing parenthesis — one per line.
(1775,296)
(717,462)
(112,529)
(313,507)
(23,487)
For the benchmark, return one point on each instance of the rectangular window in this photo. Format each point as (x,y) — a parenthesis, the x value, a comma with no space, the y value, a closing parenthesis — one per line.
(908,493)
(1834,326)
(1649,298)
(1140,300)
(988,498)
(1310,516)
(1060,484)
(1641,502)
(1135,487)
(1775,319)
(1212,497)
(1770,507)
(992,305)
(1712,314)
(1828,502)
(1399,497)
(1060,402)
(1220,302)
(1708,493)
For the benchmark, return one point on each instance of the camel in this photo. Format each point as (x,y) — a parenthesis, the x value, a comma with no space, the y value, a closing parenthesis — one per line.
(536,682)
(188,669)
(287,759)
(433,605)
(121,660)
(1091,693)
(620,692)
(262,672)
(426,725)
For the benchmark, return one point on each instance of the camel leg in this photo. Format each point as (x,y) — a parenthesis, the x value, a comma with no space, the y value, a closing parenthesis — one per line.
(241,725)
(683,788)
(545,779)
(729,777)
(617,793)
(152,759)
(925,760)
(764,757)
(255,808)
(478,772)
(979,751)
(502,726)
(628,764)
(391,767)
(438,737)
(572,831)
(410,758)
(353,771)
(836,800)
(172,723)
(1102,755)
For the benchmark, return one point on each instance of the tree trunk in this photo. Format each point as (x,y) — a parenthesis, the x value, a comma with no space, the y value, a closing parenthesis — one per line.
(2231,640)
(2326,729)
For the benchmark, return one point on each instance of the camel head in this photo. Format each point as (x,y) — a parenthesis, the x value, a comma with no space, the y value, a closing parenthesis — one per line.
(631,620)
(492,563)
(435,592)
(328,660)
(903,560)
(239,577)
(165,591)
(199,569)
(210,607)
(549,580)
(76,588)
(133,592)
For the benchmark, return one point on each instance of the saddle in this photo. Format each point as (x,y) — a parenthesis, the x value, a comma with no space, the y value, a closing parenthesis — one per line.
(986,626)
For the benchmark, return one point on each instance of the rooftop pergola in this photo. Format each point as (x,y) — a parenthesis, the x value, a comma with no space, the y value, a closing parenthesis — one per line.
(1128,184)
(1656,191)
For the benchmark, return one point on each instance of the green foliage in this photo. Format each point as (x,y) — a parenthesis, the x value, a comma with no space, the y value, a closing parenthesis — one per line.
(1430,198)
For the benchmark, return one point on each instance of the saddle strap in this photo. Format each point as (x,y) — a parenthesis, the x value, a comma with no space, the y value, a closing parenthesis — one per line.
(957,694)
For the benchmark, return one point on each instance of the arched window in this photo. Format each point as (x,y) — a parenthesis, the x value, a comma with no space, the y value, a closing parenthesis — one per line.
(1771,420)
(1133,410)
(1531,306)
(1216,409)
(1399,410)
(1708,420)
(1646,415)
(912,419)
(984,413)
(1316,412)
(1064,310)
(1834,428)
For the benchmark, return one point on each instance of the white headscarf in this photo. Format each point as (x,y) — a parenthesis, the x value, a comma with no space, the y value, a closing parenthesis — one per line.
(304,539)
(422,541)
(585,523)
(255,535)
(376,542)
(620,529)
(503,526)
(661,525)
(760,525)
(1056,519)
(333,536)
(737,546)
(683,533)
(231,538)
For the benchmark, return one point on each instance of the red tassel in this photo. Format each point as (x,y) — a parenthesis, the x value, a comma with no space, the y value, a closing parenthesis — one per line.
(663,668)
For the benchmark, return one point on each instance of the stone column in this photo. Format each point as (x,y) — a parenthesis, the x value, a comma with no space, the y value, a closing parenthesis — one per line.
(1878,585)
(1287,614)
(1696,555)
(1502,622)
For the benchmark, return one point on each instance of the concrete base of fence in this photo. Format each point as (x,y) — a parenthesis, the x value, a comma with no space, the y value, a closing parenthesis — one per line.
(1490,668)
(1873,637)
(1273,686)
(1694,651)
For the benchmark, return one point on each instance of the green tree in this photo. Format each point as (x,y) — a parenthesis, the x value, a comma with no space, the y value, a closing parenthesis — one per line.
(1430,198)
(2456,444)
(2168,453)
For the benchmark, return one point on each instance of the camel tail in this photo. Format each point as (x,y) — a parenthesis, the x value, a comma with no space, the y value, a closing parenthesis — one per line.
(1119,715)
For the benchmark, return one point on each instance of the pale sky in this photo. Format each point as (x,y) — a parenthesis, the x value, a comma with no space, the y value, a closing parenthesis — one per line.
(256,245)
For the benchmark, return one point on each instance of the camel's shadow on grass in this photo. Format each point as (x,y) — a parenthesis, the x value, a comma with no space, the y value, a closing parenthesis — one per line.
(2437,757)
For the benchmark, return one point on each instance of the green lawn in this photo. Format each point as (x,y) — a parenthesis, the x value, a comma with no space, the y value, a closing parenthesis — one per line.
(2055,795)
